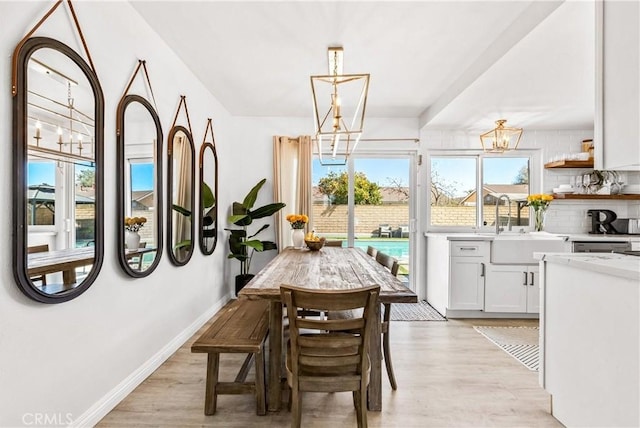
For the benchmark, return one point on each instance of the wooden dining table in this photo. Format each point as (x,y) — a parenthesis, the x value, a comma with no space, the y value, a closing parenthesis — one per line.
(332,268)
(65,261)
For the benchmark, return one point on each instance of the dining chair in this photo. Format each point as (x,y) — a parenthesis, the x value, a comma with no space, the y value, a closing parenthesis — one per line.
(372,251)
(38,249)
(329,355)
(333,243)
(392,264)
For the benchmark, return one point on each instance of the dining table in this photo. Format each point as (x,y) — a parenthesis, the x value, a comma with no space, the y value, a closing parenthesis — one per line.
(64,260)
(331,268)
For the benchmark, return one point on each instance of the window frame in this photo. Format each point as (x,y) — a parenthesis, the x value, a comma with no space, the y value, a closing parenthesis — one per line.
(535,183)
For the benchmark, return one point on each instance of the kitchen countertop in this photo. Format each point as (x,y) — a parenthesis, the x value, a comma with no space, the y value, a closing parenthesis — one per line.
(614,264)
(571,237)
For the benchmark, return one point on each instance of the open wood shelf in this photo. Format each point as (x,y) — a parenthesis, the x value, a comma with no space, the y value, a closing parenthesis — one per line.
(618,197)
(570,164)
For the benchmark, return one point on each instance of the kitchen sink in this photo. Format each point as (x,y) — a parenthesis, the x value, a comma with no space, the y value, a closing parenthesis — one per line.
(518,248)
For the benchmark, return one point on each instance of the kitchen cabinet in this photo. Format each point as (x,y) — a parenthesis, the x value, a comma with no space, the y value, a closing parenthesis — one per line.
(616,128)
(512,288)
(467,271)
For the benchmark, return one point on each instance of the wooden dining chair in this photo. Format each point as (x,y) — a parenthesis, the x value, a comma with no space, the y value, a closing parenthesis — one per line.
(333,243)
(392,264)
(38,249)
(372,251)
(329,355)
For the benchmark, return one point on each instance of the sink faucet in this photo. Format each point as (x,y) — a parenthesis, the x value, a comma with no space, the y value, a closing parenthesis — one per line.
(498,228)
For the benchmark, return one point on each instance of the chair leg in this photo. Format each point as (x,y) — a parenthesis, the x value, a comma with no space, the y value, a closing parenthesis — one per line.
(361,408)
(261,399)
(211,395)
(296,407)
(386,347)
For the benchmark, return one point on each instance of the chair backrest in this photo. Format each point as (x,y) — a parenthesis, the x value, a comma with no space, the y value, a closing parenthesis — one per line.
(333,243)
(385,260)
(38,249)
(372,251)
(395,267)
(331,349)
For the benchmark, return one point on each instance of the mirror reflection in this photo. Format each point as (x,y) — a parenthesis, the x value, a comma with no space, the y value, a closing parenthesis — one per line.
(208,198)
(181,192)
(60,196)
(140,176)
(61,209)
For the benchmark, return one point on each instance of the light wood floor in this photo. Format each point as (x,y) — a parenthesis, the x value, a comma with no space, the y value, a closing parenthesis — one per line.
(448,376)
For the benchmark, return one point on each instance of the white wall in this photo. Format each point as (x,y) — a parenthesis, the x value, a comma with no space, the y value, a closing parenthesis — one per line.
(67,360)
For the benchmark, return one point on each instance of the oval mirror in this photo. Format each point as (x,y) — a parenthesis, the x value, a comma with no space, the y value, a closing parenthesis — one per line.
(181,191)
(58,162)
(208,198)
(139,138)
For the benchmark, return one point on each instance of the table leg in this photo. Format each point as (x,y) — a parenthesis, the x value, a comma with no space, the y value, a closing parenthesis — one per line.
(69,276)
(375,381)
(275,355)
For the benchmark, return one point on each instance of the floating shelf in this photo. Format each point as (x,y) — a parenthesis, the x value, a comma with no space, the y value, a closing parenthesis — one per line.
(618,197)
(570,164)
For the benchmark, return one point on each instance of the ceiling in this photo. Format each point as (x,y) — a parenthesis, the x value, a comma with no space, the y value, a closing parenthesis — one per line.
(453,64)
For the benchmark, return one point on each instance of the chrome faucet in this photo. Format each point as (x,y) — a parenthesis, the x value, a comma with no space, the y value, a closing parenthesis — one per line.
(498,228)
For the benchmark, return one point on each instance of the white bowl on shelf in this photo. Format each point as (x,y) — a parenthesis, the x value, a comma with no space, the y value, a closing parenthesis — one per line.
(564,190)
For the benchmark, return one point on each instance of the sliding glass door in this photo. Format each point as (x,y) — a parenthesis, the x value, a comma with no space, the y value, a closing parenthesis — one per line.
(368,202)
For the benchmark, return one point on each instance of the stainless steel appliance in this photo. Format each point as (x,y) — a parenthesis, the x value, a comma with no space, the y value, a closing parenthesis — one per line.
(600,246)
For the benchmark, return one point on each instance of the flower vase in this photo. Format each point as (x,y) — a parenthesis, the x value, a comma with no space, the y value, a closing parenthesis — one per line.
(297,236)
(538,218)
(132,240)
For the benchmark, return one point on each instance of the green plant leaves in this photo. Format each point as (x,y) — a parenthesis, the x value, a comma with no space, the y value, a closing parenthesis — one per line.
(251,197)
(267,210)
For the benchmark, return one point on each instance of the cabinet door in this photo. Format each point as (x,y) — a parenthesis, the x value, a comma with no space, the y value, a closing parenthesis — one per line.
(466,288)
(506,288)
(533,290)
(616,129)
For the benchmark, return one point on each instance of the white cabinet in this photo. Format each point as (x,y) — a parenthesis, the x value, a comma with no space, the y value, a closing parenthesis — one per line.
(512,288)
(467,269)
(616,130)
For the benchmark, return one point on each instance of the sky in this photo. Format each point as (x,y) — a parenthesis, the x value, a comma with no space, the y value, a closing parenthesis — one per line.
(377,170)
(496,170)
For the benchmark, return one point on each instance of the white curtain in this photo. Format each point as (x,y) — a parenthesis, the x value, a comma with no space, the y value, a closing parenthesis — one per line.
(291,183)
(182,188)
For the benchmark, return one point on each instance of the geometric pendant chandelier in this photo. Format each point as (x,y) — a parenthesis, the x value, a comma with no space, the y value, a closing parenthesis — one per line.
(501,138)
(339,104)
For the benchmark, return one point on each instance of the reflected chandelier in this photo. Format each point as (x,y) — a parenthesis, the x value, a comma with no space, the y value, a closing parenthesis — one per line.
(501,138)
(337,96)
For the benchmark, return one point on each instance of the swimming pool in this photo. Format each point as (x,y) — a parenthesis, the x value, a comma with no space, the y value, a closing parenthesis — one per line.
(397,249)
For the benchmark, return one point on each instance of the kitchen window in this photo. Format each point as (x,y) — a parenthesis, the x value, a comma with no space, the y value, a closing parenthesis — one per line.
(465,188)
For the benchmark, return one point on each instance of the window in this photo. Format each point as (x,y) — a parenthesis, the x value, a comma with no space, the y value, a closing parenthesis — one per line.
(41,198)
(466,188)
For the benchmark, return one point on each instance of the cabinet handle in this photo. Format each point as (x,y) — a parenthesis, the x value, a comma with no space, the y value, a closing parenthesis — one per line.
(525,278)
(530,278)
(482,272)
(467,248)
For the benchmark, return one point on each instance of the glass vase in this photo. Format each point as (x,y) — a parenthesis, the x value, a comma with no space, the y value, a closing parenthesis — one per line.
(538,218)
(297,237)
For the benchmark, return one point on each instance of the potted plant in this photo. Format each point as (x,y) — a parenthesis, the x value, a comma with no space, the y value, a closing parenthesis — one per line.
(242,246)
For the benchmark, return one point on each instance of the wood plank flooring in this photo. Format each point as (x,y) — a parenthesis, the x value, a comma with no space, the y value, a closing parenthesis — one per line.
(448,376)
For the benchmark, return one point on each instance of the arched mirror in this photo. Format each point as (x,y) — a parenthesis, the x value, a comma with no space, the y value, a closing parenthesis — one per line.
(139,137)
(58,131)
(208,166)
(181,195)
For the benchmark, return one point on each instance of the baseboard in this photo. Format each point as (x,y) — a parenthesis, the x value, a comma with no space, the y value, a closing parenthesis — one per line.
(100,409)
(455,314)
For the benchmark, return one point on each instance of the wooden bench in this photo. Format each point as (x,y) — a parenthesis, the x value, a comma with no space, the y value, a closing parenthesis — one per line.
(239,327)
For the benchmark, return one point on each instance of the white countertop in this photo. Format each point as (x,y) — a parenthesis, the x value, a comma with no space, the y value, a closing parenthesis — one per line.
(572,237)
(614,264)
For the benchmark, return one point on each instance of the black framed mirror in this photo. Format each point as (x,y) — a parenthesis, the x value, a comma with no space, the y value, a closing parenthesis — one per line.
(208,165)
(139,186)
(181,195)
(58,138)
